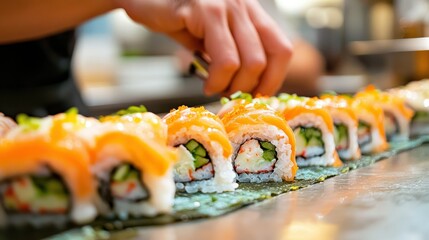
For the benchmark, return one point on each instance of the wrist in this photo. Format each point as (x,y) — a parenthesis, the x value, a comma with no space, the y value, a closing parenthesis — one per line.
(119,4)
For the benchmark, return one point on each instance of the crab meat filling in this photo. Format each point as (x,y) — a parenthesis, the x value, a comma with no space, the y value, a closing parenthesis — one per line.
(35,195)
(255,156)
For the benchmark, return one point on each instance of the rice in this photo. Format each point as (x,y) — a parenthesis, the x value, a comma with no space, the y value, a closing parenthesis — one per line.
(403,122)
(377,141)
(313,120)
(353,151)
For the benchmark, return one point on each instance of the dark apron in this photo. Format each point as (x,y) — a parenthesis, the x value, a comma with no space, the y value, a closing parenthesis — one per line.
(36,79)
(43,100)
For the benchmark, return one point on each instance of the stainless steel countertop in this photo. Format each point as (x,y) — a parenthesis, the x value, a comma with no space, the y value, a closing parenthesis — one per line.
(388,200)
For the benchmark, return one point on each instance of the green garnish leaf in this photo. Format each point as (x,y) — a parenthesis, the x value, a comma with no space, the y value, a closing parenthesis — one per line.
(240,95)
(285,97)
(330,93)
(27,122)
(224,100)
(72,111)
(131,110)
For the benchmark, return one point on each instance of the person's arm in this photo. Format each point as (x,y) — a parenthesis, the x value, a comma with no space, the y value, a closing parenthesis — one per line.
(248,51)
(22,20)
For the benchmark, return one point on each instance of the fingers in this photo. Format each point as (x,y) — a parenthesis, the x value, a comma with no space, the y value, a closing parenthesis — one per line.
(277,47)
(252,55)
(219,44)
(247,49)
(187,40)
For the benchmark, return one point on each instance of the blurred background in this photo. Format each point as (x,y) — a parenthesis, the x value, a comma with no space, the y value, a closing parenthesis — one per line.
(384,42)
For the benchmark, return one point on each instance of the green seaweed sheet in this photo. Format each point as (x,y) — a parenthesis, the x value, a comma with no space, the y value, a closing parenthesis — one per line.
(204,205)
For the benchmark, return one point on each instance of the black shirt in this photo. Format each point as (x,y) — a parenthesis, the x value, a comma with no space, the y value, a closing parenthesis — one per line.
(35,76)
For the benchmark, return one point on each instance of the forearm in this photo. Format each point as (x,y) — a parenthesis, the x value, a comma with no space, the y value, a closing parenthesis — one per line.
(28,19)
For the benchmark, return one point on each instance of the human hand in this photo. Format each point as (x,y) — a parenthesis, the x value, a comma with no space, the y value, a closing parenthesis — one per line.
(248,51)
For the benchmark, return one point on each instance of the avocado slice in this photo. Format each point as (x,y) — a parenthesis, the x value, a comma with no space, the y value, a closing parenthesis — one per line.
(121,172)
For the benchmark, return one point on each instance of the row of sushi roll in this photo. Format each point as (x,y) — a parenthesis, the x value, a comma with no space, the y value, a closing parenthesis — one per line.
(335,127)
(72,168)
(68,167)
(416,96)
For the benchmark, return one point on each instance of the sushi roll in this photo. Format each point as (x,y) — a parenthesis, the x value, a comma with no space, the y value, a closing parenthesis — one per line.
(313,128)
(204,151)
(397,115)
(45,176)
(6,124)
(416,95)
(263,144)
(235,99)
(371,133)
(345,126)
(132,164)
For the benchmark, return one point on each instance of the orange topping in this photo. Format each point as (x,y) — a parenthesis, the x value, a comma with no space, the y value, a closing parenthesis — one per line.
(340,104)
(145,154)
(143,137)
(185,117)
(385,99)
(311,106)
(68,158)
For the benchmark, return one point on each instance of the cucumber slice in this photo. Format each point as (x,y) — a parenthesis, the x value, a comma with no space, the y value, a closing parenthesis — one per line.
(301,143)
(267,145)
(312,132)
(121,172)
(336,135)
(39,184)
(269,155)
(363,125)
(297,131)
(191,145)
(340,133)
(200,161)
(133,174)
(54,186)
(200,151)
(315,142)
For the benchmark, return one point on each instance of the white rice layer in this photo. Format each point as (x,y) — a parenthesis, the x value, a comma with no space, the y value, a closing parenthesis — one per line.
(283,167)
(353,151)
(313,120)
(376,138)
(403,123)
(224,175)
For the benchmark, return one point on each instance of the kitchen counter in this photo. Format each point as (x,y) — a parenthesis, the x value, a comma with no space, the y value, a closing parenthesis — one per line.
(388,200)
